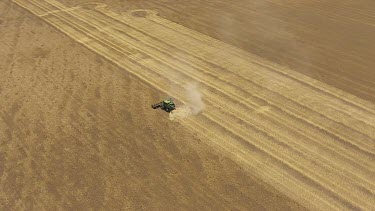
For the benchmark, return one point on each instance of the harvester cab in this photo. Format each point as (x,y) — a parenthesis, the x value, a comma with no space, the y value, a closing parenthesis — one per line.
(166,105)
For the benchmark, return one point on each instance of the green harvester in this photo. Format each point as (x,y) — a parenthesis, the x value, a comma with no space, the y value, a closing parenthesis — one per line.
(166,105)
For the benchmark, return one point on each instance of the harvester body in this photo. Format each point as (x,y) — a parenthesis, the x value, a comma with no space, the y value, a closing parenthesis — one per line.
(166,105)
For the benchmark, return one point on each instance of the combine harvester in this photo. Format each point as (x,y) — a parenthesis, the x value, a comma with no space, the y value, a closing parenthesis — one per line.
(166,105)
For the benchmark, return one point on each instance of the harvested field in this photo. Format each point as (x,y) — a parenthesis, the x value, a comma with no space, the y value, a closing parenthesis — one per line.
(282,98)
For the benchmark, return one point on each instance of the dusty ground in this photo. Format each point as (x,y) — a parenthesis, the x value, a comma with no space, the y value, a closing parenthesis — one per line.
(77,81)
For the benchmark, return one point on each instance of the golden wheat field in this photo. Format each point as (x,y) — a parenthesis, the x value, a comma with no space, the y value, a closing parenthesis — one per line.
(275,105)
